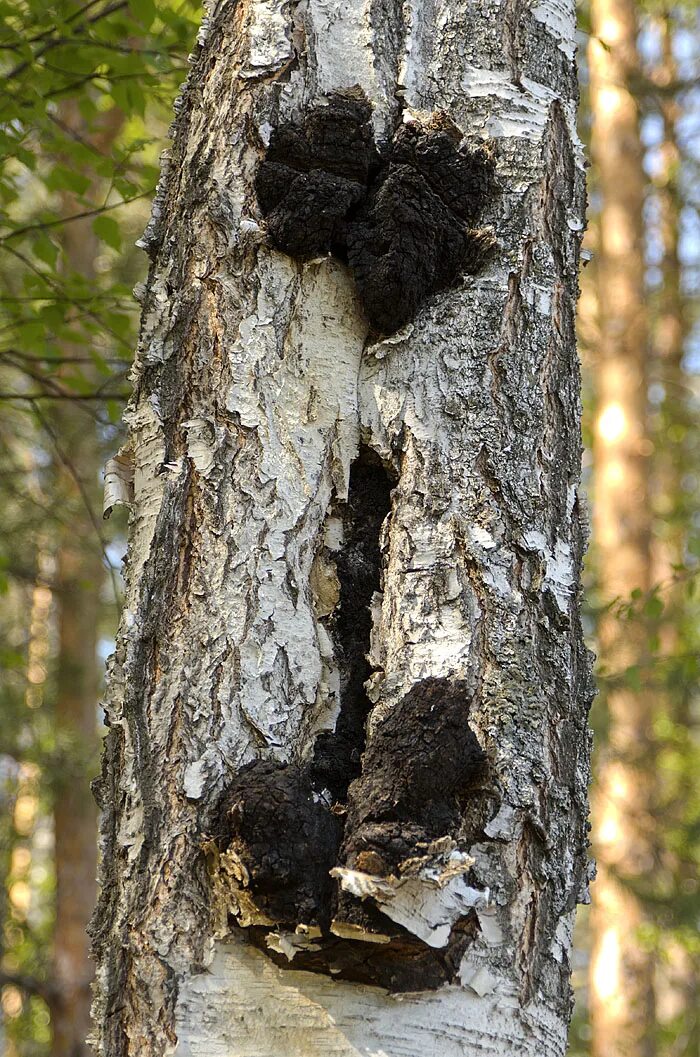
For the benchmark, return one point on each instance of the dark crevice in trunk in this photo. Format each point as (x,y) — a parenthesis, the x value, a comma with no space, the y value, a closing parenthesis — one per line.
(338,753)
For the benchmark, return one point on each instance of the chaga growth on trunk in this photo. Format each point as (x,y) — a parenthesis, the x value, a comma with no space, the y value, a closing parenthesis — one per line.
(399,963)
(312,174)
(285,840)
(421,775)
(334,854)
(422,798)
(400,218)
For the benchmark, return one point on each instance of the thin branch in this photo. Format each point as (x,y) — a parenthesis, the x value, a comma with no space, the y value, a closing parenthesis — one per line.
(50,282)
(72,300)
(117,5)
(71,132)
(96,524)
(58,360)
(52,29)
(75,216)
(110,78)
(59,392)
(98,396)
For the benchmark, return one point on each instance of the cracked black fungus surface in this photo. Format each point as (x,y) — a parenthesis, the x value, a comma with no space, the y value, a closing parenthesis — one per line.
(403,219)
(287,841)
(314,173)
(422,775)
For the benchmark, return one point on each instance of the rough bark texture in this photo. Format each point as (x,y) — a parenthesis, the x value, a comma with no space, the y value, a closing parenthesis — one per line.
(261,399)
(622,965)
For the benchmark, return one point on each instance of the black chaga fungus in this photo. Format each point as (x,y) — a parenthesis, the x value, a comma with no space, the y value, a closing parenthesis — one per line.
(404,244)
(402,220)
(287,841)
(422,775)
(313,174)
(403,964)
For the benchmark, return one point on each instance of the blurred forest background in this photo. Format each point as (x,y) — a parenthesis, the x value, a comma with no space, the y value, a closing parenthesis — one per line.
(86,100)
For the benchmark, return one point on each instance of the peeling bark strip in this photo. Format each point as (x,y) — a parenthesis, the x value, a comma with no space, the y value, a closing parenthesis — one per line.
(347,707)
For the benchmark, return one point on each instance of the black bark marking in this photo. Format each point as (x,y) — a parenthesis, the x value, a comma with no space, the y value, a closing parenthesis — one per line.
(402,220)
(286,840)
(338,753)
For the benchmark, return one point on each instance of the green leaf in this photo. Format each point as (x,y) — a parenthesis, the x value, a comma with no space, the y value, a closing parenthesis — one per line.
(653,607)
(144,11)
(61,178)
(46,250)
(107,229)
(633,677)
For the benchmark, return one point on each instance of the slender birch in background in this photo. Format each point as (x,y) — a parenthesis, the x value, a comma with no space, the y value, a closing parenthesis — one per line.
(278,447)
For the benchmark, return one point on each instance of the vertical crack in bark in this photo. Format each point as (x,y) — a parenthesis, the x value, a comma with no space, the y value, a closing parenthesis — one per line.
(338,754)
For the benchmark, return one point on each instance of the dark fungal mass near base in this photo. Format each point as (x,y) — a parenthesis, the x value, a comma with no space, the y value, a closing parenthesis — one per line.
(422,776)
(402,964)
(285,839)
(402,219)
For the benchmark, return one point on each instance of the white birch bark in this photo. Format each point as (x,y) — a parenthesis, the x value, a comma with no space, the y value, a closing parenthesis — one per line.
(254,382)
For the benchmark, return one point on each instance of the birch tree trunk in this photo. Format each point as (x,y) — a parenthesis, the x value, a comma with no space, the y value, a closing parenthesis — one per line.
(339,530)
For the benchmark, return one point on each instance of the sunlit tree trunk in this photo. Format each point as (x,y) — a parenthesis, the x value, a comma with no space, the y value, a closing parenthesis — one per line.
(332,526)
(621,972)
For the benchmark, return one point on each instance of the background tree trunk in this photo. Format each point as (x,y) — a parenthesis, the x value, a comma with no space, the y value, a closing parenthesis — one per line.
(80,578)
(256,384)
(621,971)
